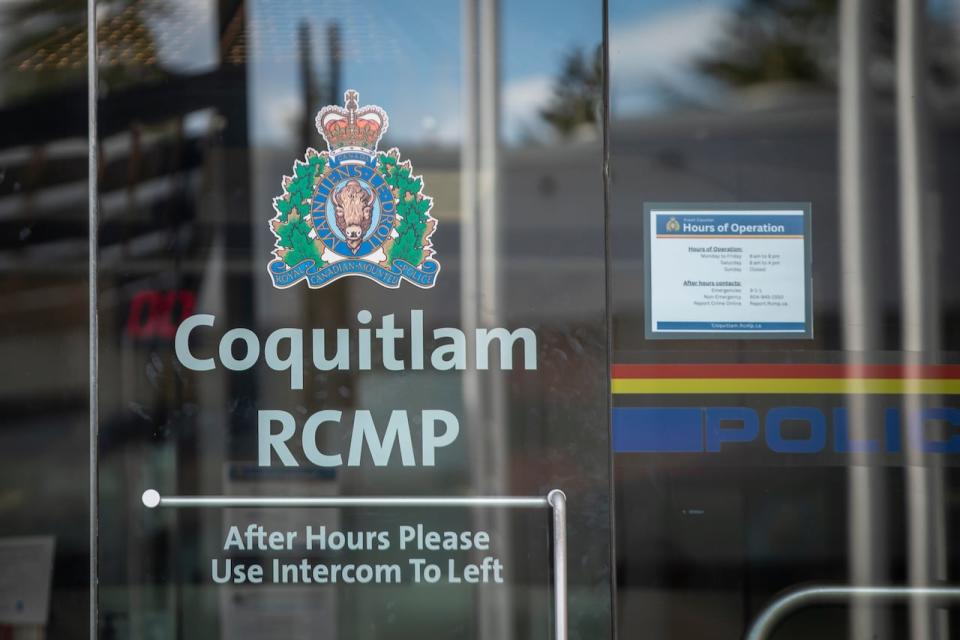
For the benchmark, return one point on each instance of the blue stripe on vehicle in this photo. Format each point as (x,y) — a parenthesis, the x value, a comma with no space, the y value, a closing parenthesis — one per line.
(657,430)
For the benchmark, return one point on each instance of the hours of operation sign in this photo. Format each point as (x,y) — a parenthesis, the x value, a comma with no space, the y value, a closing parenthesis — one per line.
(728,270)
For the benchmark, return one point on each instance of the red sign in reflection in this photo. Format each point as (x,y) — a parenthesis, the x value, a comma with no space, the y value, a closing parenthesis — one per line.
(156,314)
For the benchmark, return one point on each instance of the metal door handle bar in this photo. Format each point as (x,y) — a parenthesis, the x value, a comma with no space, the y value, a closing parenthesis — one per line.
(556,500)
(791,601)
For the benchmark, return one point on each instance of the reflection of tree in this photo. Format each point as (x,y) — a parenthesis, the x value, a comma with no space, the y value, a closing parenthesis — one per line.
(577,93)
(797,41)
(776,40)
(45,43)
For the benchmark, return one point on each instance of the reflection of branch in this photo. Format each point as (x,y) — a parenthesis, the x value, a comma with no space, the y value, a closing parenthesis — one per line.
(796,41)
(775,41)
(576,93)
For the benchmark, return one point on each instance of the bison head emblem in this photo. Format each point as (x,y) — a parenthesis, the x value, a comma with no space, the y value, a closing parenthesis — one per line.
(354,206)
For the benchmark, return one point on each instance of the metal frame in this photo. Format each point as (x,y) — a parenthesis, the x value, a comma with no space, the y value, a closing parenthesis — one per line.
(556,500)
(789,602)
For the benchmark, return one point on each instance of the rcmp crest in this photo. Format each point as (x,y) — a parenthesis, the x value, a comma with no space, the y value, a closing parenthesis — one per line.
(353,210)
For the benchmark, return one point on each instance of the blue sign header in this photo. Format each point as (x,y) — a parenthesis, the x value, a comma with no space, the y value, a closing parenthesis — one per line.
(707,224)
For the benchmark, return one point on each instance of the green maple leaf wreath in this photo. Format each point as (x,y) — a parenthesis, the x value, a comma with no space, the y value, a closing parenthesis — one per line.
(413,210)
(293,233)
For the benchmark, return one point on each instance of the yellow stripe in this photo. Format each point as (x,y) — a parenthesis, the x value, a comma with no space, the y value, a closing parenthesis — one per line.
(886,386)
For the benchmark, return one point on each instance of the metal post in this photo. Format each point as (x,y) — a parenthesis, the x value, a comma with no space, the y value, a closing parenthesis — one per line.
(93,159)
(858,258)
(484,396)
(488,195)
(920,316)
(556,500)
(469,261)
(866,532)
(494,476)
(307,83)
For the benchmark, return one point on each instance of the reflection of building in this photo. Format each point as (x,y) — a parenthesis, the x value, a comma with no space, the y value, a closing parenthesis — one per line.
(156,135)
(719,534)
(778,153)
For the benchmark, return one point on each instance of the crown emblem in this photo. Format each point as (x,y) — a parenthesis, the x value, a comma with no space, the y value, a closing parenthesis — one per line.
(351,126)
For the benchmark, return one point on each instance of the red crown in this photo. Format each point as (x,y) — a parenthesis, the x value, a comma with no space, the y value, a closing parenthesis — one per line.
(352,127)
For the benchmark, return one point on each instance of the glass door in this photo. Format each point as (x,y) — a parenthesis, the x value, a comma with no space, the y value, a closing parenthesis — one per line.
(783,297)
(354,255)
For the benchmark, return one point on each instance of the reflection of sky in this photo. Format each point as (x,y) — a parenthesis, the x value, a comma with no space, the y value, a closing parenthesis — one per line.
(652,44)
(402,56)
(405,56)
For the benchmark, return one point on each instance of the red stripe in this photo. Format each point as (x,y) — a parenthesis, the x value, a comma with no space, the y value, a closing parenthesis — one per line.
(737,370)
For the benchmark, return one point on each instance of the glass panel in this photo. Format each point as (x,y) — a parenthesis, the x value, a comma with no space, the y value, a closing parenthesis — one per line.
(748,466)
(44,516)
(205,108)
